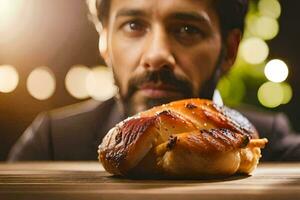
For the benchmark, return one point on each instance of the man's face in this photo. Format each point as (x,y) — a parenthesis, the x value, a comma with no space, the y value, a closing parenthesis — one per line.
(161,51)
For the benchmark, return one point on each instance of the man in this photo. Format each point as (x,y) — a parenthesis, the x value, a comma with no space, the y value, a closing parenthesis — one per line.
(159,51)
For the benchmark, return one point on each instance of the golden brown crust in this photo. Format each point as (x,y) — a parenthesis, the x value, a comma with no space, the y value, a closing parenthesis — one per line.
(163,140)
(201,111)
(119,149)
(212,141)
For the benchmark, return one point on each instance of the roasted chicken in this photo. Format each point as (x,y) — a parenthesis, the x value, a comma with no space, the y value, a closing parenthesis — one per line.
(192,138)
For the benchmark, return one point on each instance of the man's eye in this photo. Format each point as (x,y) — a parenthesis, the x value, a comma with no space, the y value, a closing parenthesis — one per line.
(135,28)
(190,30)
(187,34)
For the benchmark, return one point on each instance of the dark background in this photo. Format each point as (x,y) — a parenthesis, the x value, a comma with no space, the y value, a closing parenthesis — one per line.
(57,34)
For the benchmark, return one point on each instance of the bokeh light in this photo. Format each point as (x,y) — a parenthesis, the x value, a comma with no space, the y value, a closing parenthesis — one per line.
(266,28)
(254,50)
(270,8)
(9,78)
(250,23)
(232,90)
(100,83)
(287,93)
(276,71)
(263,27)
(270,94)
(75,81)
(41,83)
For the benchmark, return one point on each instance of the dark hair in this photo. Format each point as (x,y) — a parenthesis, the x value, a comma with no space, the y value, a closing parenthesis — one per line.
(231,13)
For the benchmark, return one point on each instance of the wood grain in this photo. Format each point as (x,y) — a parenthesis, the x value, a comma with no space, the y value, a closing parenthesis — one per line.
(88,180)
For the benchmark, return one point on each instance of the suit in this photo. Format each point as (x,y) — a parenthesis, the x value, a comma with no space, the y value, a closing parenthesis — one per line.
(74,133)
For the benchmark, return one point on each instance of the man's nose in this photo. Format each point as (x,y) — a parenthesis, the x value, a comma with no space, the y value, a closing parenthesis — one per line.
(158,53)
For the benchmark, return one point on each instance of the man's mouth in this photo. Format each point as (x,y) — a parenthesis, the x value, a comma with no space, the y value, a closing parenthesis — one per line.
(159,90)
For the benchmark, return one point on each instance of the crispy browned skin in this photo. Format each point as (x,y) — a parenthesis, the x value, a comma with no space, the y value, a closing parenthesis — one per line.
(190,138)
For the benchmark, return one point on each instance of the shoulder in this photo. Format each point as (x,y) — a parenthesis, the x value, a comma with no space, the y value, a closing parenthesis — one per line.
(56,134)
(88,108)
(80,120)
(76,121)
(81,108)
(77,125)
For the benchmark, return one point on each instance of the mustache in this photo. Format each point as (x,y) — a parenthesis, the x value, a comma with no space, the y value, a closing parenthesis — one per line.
(163,76)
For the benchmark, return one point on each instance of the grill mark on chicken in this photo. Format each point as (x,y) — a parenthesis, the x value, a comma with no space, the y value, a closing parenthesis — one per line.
(190,106)
(176,117)
(222,138)
(127,134)
(215,140)
(236,120)
(132,129)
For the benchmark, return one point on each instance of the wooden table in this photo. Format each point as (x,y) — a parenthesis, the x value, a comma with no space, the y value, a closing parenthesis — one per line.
(88,180)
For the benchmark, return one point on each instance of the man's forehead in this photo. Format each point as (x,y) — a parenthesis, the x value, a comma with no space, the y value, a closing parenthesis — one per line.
(161,6)
(200,10)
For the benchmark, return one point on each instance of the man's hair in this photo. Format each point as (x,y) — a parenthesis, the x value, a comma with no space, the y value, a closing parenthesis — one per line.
(231,13)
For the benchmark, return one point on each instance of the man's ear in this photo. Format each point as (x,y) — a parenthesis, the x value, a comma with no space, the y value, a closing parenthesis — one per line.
(231,45)
(103,45)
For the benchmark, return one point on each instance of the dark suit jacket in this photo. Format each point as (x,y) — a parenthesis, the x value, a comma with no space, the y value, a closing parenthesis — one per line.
(74,133)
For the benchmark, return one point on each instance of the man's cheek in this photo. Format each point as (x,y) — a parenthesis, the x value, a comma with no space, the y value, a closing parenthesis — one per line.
(123,85)
(118,80)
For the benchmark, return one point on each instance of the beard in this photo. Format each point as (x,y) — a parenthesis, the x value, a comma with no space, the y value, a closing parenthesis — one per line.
(133,103)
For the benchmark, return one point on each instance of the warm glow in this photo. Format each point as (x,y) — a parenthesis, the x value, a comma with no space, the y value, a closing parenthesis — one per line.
(76,81)
(266,28)
(287,93)
(9,10)
(9,78)
(270,94)
(41,83)
(6,8)
(254,50)
(100,84)
(270,8)
(276,71)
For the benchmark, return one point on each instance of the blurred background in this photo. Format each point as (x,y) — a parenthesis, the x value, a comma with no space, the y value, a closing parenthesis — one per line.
(49,58)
